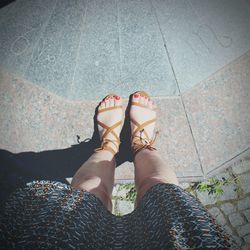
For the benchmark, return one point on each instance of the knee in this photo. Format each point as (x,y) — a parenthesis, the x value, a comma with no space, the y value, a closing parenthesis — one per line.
(152,180)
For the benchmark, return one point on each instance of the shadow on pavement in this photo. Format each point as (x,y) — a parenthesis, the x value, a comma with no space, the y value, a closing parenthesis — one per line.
(16,169)
(5,2)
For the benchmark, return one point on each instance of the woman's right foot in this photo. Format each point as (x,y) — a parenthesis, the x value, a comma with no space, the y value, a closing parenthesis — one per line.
(142,111)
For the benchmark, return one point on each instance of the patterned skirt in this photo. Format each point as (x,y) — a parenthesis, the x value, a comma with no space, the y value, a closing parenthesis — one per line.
(52,215)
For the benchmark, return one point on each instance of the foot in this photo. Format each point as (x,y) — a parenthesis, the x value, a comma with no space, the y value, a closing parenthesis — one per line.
(108,115)
(142,112)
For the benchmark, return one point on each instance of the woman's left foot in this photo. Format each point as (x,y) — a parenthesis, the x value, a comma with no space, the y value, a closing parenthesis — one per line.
(109,120)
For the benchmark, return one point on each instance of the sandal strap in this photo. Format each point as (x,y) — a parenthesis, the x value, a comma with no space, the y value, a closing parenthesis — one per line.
(109,108)
(140,105)
(110,129)
(143,144)
(106,147)
(138,142)
(104,140)
(141,127)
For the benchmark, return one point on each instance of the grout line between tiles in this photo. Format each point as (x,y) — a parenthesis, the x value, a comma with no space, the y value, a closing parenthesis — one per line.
(39,37)
(227,161)
(178,87)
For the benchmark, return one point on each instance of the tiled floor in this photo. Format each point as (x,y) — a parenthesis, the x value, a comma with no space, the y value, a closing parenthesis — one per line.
(58,58)
(73,47)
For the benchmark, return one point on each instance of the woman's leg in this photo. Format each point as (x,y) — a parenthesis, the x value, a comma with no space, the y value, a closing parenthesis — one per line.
(150,169)
(96,175)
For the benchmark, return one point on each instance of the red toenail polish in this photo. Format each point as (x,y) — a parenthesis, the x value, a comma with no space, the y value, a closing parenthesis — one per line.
(117,97)
(136,95)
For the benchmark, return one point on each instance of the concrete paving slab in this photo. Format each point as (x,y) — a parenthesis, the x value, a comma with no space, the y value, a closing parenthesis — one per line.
(54,58)
(218,112)
(72,48)
(98,62)
(144,62)
(175,141)
(21,24)
(203,36)
(33,119)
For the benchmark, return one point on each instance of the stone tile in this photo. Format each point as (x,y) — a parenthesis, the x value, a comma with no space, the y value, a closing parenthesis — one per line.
(236,219)
(113,206)
(245,247)
(54,59)
(20,30)
(241,166)
(143,59)
(228,230)
(175,141)
(247,239)
(243,230)
(184,185)
(228,208)
(244,203)
(219,217)
(211,34)
(124,172)
(238,240)
(206,199)
(214,211)
(219,129)
(6,10)
(229,192)
(98,63)
(124,207)
(247,214)
(39,120)
(244,182)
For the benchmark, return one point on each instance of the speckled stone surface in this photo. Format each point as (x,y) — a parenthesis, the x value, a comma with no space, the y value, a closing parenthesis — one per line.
(39,121)
(219,113)
(33,119)
(53,61)
(203,36)
(73,48)
(21,24)
(175,142)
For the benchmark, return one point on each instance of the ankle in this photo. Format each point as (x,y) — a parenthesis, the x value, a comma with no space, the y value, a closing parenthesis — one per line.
(146,153)
(104,155)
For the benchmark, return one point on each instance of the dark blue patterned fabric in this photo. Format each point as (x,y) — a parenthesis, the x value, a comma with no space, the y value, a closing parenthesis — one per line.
(52,215)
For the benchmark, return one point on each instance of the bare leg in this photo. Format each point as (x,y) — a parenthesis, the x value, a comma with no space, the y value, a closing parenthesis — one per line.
(150,169)
(96,175)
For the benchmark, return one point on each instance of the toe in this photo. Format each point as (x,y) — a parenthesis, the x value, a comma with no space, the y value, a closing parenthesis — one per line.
(136,97)
(106,100)
(142,100)
(102,105)
(118,100)
(111,101)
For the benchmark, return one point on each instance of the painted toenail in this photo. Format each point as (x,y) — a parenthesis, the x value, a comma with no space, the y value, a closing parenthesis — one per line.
(117,97)
(136,95)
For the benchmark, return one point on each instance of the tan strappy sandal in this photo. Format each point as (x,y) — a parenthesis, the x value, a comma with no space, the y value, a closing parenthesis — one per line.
(104,140)
(143,141)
